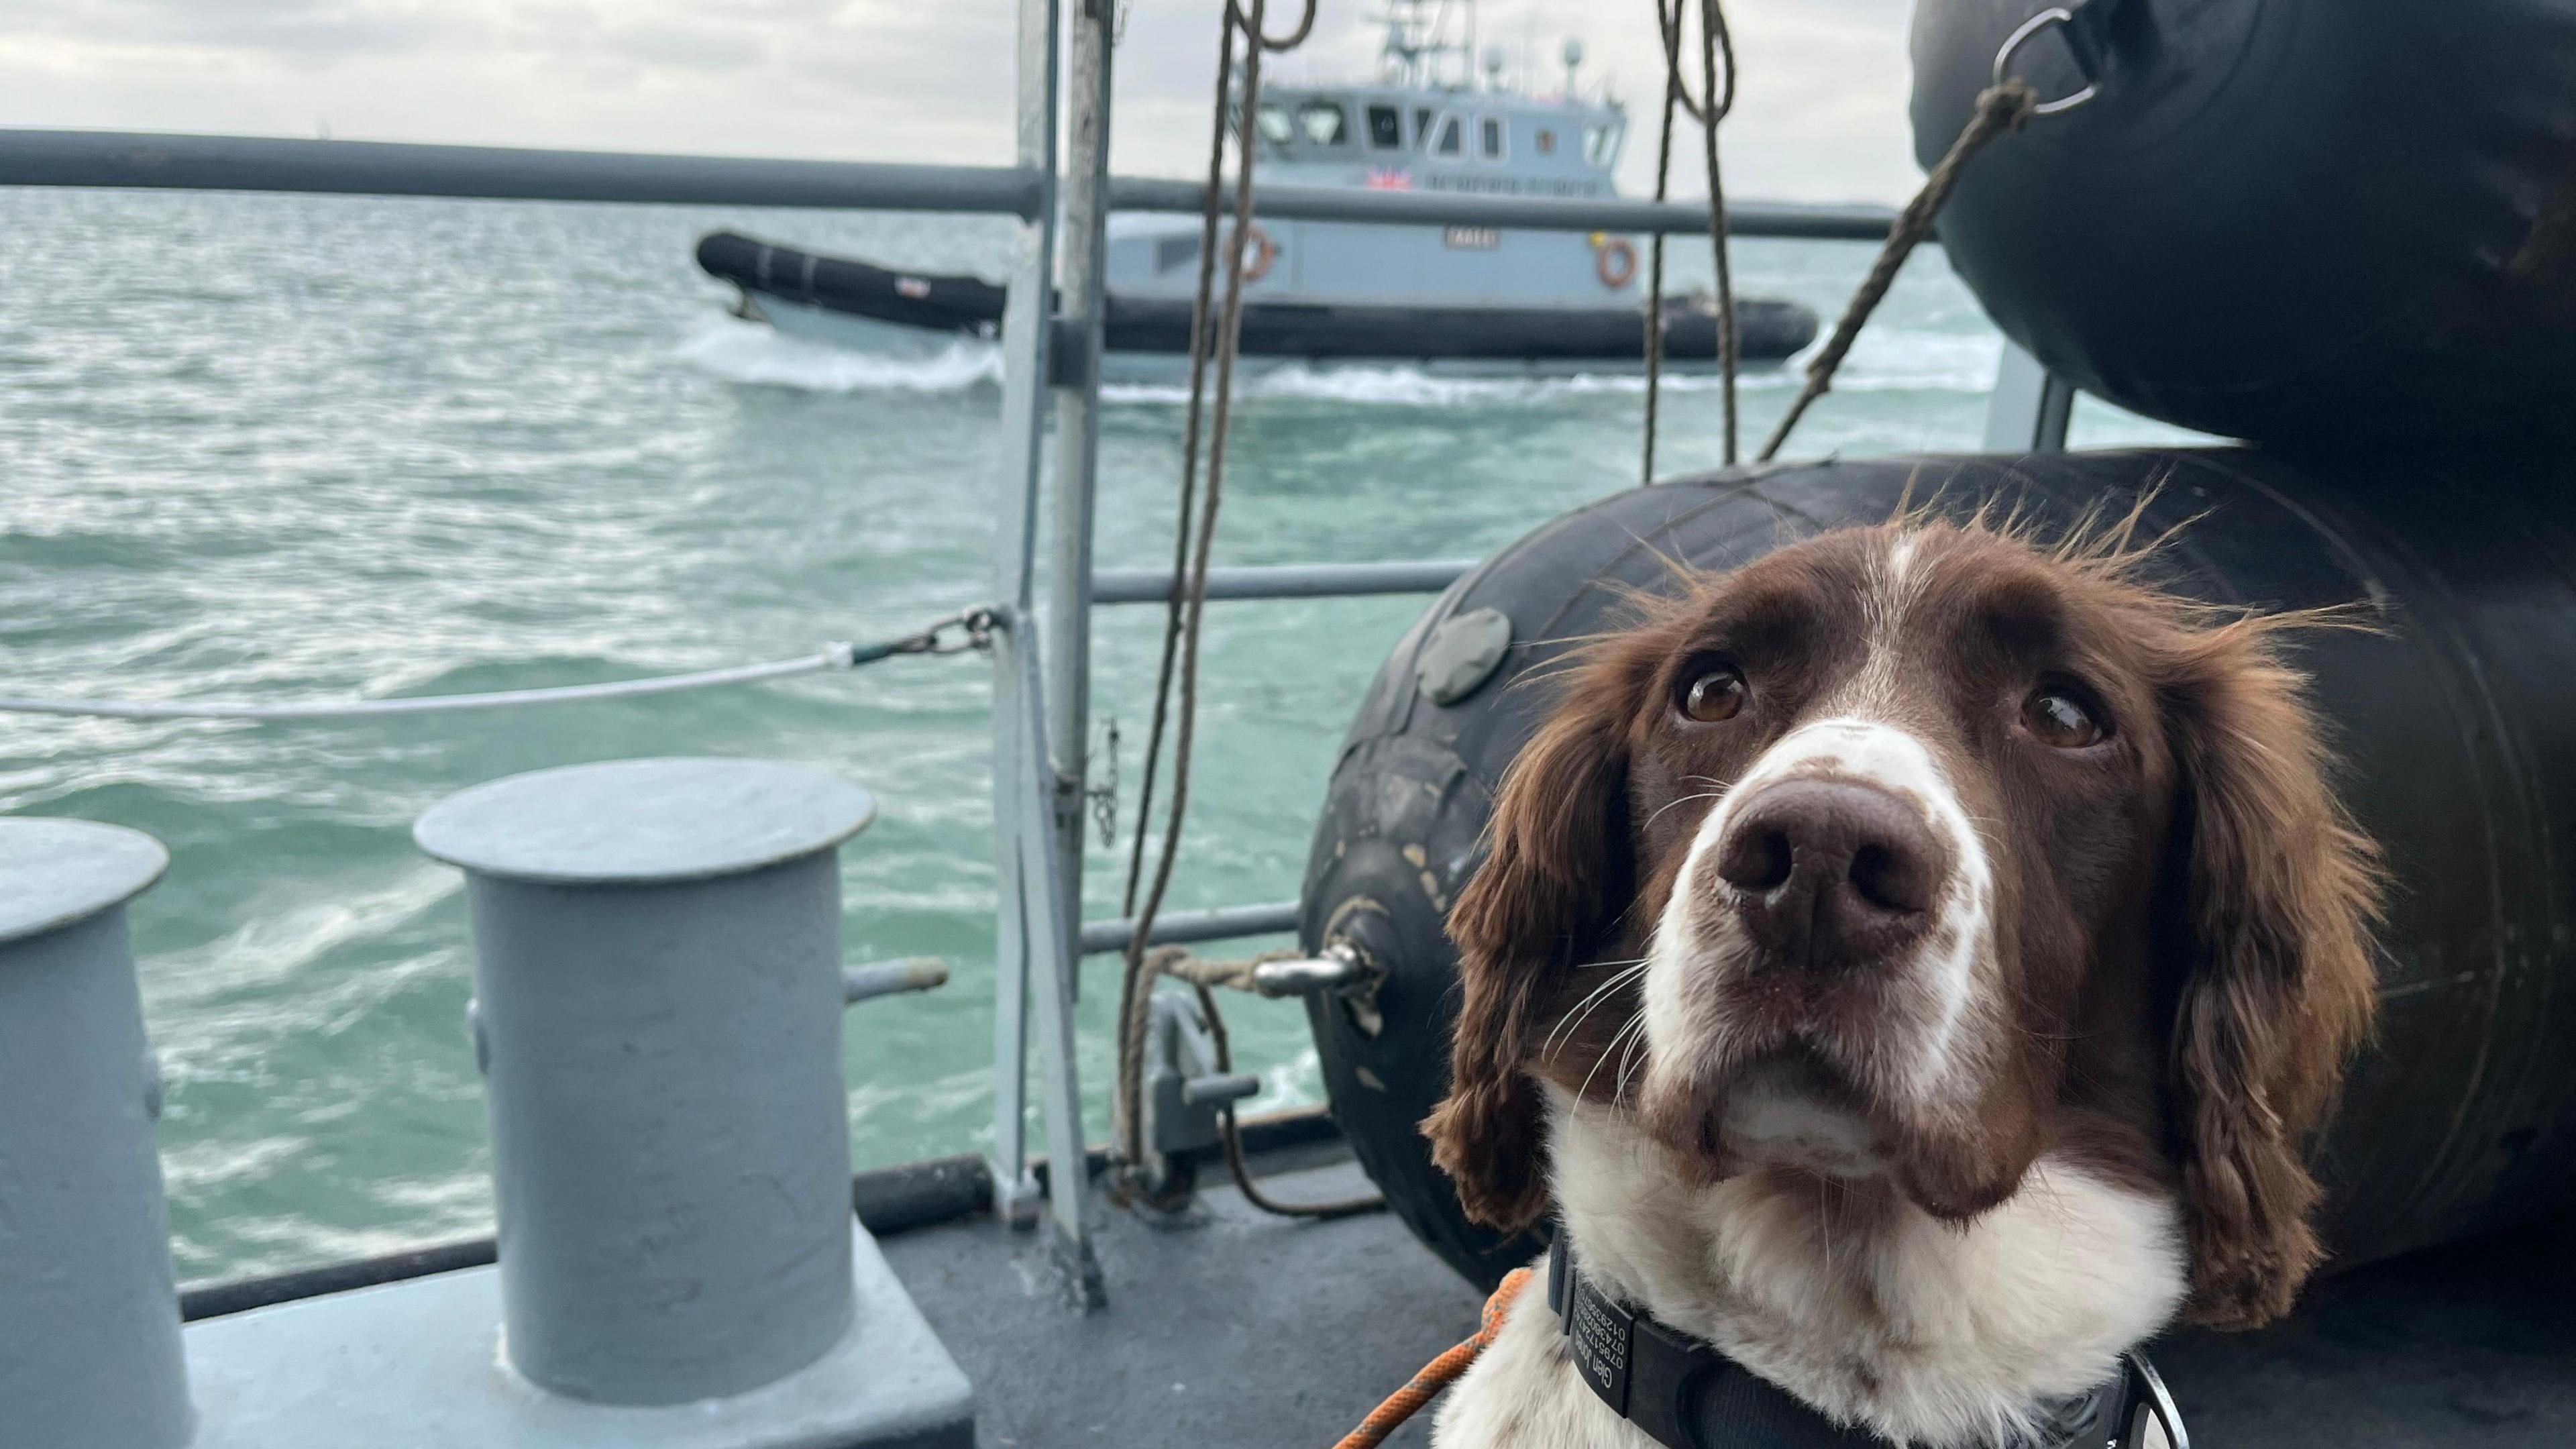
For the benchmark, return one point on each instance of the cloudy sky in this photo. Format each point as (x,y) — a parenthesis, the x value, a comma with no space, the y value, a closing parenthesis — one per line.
(1821,115)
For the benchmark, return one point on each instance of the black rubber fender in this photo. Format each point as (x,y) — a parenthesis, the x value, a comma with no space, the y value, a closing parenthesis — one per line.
(2281,220)
(2456,721)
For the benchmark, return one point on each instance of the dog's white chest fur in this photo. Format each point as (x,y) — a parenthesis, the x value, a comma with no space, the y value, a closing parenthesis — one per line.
(1928,1332)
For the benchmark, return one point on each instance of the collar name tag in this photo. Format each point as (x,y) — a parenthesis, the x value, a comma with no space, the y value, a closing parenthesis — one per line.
(1601,1336)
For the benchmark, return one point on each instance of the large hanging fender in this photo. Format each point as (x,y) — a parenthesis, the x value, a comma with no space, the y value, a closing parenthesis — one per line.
(2309,222)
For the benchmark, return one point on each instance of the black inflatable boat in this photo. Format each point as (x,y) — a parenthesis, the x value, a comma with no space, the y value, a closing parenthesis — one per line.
(856,303)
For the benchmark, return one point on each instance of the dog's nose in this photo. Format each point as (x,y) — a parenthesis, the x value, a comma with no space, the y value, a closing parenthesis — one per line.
(1831,872)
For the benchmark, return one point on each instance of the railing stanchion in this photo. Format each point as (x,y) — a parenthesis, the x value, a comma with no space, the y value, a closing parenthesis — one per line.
(2030,406)
(1082,306)
(1033,962)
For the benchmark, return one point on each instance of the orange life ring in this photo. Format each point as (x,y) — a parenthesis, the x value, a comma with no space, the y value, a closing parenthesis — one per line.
(1615,262)
(1264,252)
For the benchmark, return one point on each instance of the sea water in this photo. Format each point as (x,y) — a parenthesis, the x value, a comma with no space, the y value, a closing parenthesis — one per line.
(283,448)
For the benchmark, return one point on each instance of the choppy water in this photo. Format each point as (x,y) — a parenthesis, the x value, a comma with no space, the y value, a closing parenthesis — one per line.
(264,448)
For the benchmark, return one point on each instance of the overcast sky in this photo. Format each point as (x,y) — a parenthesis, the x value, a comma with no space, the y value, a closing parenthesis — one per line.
(1822,113)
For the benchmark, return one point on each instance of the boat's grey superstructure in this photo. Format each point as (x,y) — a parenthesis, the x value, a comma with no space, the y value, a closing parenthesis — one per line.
(1425,123)
(1229,1328)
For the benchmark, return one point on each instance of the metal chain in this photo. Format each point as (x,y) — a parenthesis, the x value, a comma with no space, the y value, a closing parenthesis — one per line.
(1104,795)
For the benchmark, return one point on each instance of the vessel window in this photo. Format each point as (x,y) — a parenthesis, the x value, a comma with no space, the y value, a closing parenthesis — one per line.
(1493,137)
(1422,125)
(1276,128)
(1324,123)
(1546,141)
(1386,127)
(1173,251)
(1601,143)
(1449,142)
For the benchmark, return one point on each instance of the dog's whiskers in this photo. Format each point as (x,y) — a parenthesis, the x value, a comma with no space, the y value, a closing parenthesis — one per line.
(1635,1021)
(1589,1004)
(1627,1062)
(1684,800)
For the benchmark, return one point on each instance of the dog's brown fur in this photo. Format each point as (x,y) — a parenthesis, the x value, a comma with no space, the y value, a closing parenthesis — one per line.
(2186,916)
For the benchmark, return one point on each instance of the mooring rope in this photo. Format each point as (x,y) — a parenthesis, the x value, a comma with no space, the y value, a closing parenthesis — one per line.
(1717,58)
(1186,613)
(1175,611)
(975,625)
(1716,39)
(2001,107)
(1666,18)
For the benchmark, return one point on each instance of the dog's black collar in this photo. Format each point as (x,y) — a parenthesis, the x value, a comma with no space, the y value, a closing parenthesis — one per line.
(1686,1395)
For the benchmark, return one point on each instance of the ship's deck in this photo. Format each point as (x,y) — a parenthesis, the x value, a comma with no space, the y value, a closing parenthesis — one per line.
(1238,1329)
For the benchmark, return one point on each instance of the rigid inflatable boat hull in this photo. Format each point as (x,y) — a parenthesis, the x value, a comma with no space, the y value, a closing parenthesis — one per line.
(859,305)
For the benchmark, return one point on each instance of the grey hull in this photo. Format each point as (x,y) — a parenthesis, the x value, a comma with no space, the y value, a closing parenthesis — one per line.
(1157,369)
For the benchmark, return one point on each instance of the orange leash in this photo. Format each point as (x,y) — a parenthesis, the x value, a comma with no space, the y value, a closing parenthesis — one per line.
(1438,1374)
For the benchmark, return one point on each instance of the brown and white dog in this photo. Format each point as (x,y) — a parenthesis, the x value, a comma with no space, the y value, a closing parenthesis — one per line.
(1910,963)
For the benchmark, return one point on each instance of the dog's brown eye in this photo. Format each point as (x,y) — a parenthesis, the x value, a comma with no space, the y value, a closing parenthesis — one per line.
(1715,695)
(2057,717)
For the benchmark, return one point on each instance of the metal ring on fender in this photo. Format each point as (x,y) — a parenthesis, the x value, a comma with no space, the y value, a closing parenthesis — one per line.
(2053,15)
(1264,252)
(1615,262)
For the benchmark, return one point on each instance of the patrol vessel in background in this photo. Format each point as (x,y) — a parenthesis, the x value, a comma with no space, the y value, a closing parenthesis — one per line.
(1472,300)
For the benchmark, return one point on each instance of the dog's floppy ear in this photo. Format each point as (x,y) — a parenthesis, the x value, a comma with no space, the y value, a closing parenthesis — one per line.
(2280,892)
(1557,873)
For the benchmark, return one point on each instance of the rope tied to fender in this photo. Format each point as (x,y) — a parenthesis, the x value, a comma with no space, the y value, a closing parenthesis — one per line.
(1441,1372)
(2000,107)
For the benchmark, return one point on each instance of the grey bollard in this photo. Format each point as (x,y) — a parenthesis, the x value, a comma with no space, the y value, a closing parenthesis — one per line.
(89,1323)
(658,966)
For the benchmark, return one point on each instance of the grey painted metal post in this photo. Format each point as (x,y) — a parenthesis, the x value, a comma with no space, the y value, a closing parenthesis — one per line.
(1025,337)
(2030,407)
(1049,978)
(658,973)
(1033,963)
(1077,436)
(89,1324)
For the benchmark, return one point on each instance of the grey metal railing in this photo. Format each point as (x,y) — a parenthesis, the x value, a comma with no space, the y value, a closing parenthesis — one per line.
(150,161)
(1172,928)
(1537,213)
(161,161)
(1284,581)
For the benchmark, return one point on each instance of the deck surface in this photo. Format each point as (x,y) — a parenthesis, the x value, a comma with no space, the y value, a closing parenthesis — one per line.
(1239,1329)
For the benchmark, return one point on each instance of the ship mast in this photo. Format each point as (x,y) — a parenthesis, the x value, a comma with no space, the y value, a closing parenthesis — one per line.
(1417,42)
